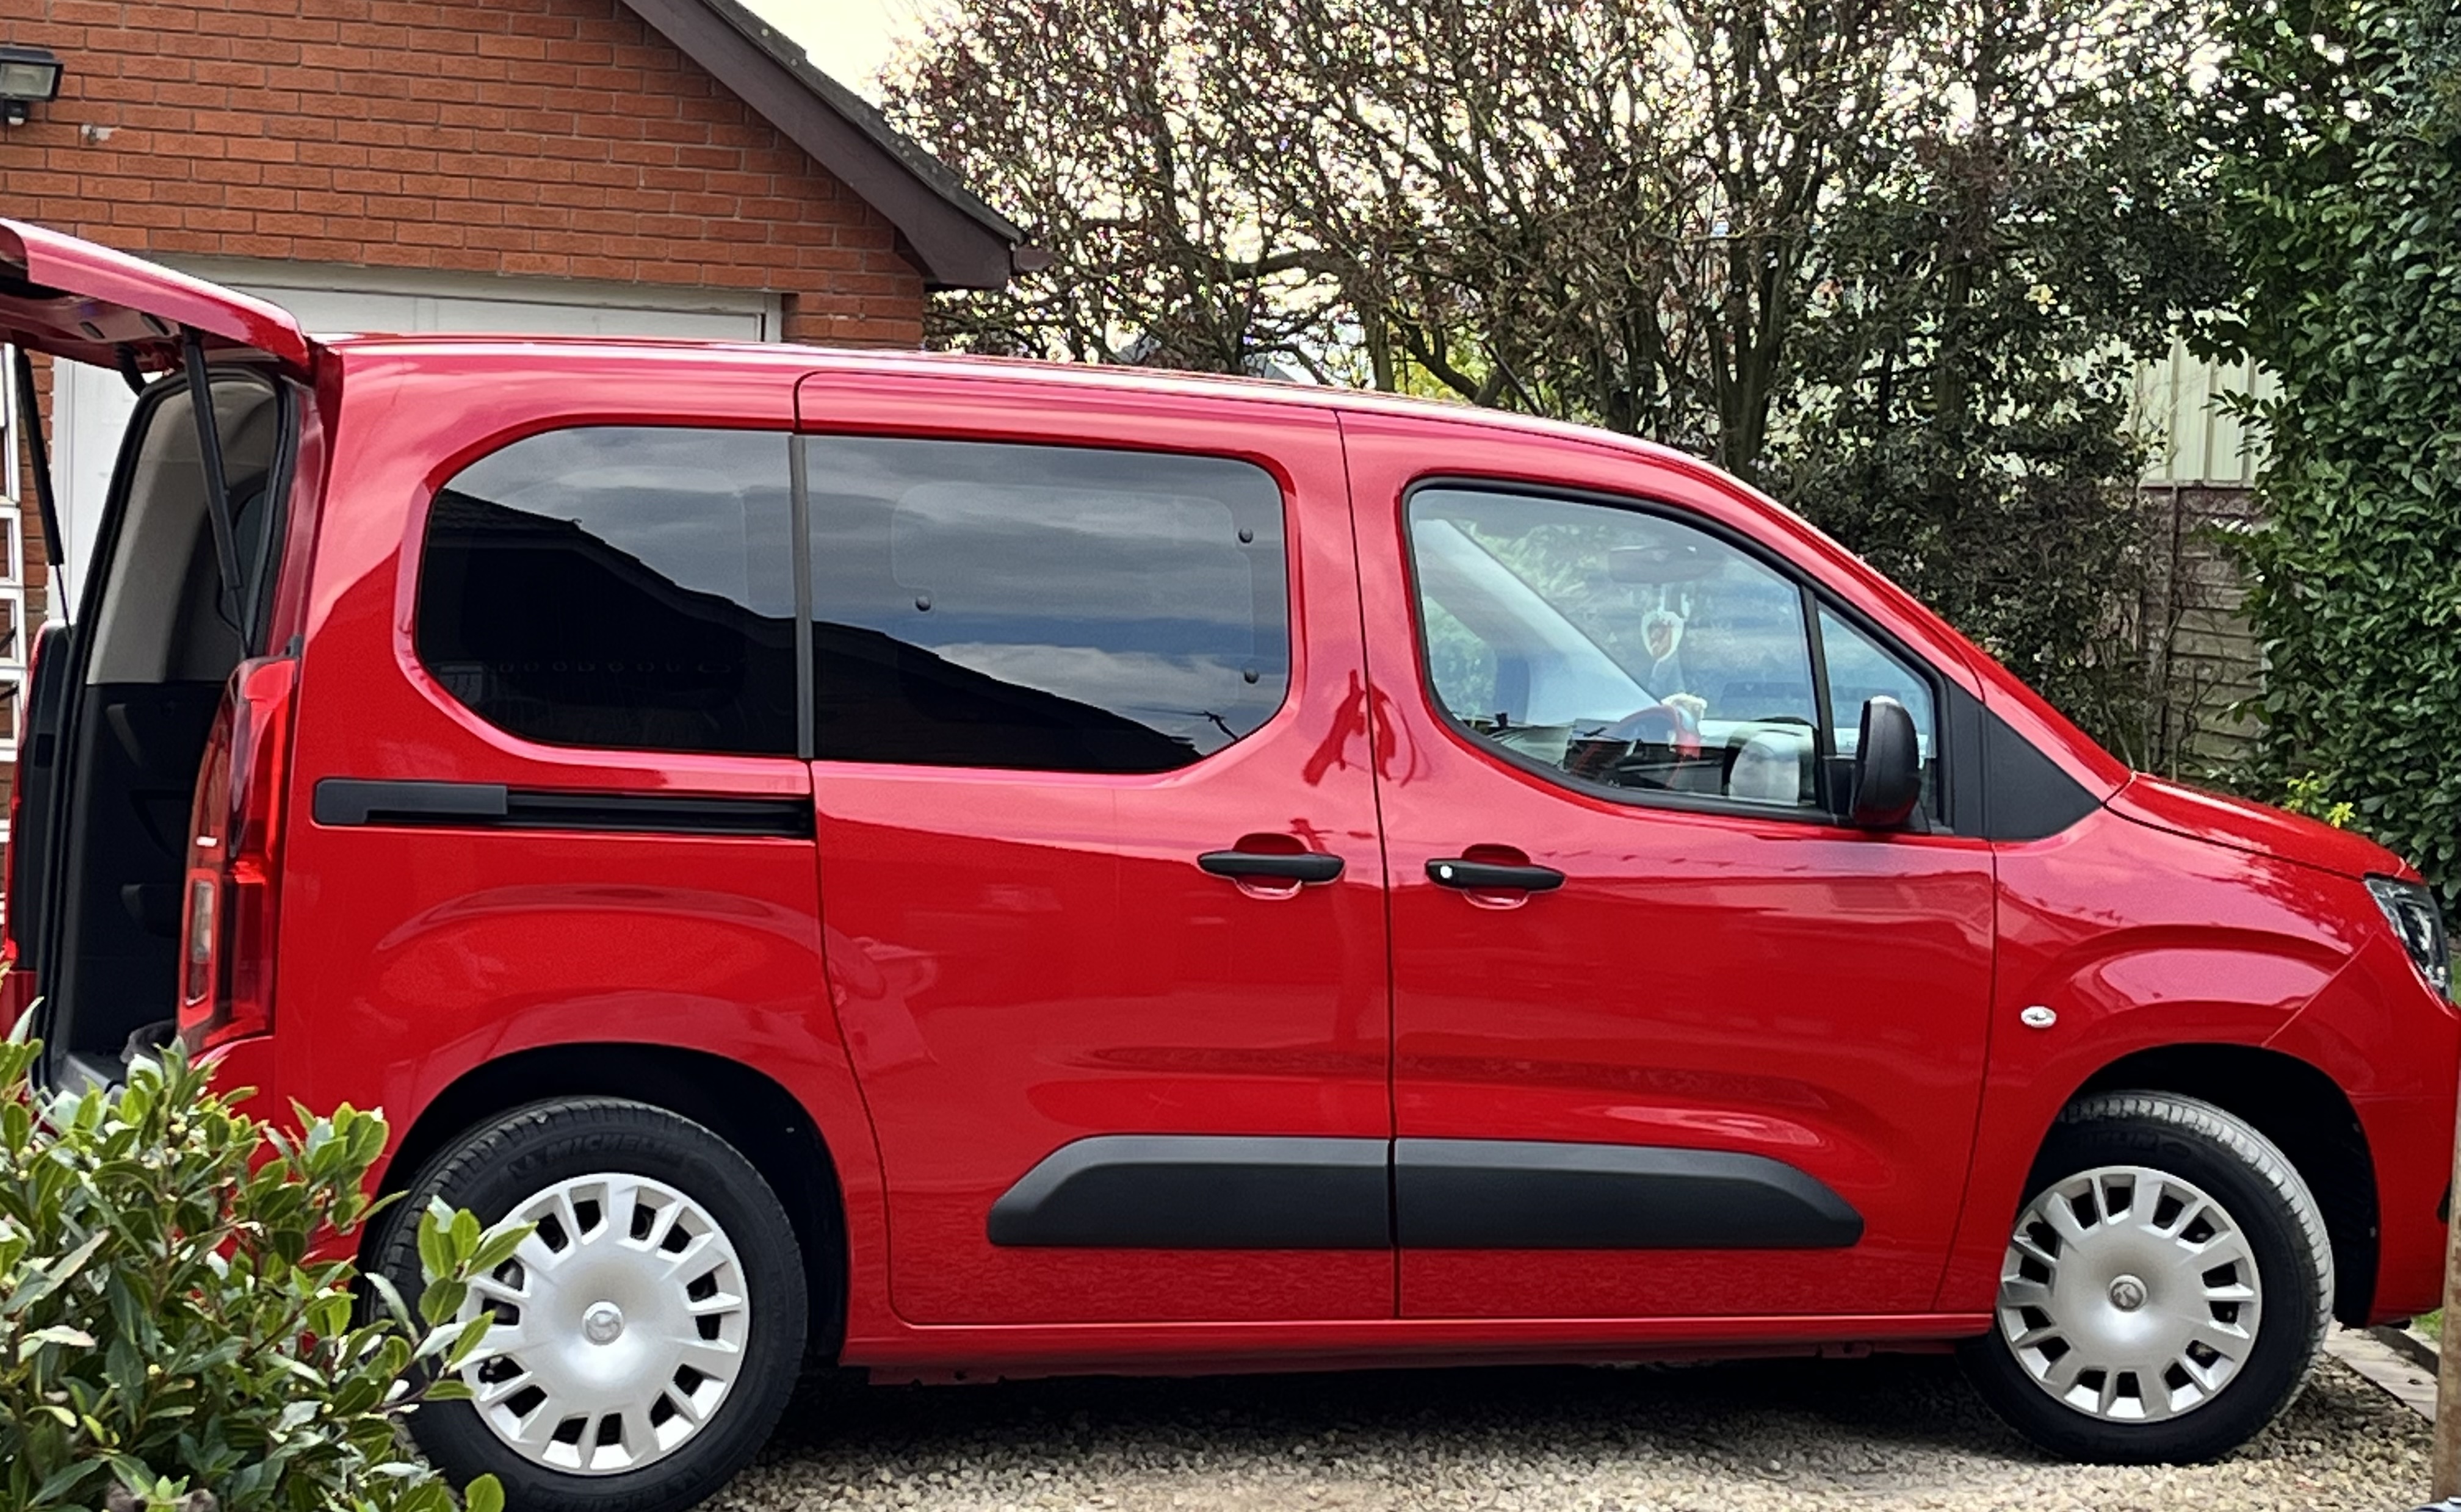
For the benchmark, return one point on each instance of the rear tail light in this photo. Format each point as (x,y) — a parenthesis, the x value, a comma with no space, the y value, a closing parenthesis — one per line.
(234,853)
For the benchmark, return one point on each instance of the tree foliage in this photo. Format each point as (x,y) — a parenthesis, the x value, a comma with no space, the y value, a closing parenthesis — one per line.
(167,1340)
(1890,258)
(2343,120)
(1970,352)
(1600,210)
(1096,123)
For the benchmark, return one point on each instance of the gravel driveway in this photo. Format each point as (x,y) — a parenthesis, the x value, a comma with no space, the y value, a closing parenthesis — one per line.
(1882,1433)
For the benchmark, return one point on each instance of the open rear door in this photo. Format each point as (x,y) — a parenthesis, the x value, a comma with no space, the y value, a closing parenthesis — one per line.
(31,794)
(83,302)
(76,301)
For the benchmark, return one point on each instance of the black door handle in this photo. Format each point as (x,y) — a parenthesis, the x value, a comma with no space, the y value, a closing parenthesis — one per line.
(1487,875)
(1303,866)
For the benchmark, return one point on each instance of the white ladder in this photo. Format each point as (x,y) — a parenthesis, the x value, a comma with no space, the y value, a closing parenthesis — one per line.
(16,634)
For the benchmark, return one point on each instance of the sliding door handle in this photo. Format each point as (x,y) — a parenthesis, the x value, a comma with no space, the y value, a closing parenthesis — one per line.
(1487,875)
(1270,865)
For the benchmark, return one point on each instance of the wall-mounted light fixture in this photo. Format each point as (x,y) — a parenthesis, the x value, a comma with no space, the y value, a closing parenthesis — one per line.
(28,75)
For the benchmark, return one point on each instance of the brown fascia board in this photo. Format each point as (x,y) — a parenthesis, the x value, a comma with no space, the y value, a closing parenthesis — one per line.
(959,240)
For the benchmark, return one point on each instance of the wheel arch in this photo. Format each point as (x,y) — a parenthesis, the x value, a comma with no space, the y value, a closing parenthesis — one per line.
(2303,1112)
(739,1103)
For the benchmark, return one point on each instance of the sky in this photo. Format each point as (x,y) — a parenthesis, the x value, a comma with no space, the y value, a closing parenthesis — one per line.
(849,39)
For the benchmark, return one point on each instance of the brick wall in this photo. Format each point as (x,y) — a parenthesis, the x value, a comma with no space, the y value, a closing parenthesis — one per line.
(534,137)
(558,138)
(526,137)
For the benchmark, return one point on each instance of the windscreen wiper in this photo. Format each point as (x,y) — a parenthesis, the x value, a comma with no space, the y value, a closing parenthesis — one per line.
(209,449)
(30,421)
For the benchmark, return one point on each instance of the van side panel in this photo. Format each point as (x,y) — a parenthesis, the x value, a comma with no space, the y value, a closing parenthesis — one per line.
(411,952)
(1033,970)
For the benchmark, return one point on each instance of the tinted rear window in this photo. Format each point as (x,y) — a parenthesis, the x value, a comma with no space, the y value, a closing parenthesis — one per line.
(619,587)
(1043,608)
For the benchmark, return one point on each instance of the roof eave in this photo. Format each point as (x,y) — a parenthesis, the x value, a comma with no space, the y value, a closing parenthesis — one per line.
(956,240)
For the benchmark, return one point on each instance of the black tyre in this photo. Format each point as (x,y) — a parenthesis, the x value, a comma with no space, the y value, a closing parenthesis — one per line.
(2166,1288)
(647,1337)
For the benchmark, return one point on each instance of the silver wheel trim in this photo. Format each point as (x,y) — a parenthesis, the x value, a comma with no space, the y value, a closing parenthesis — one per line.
(2130,1294)
(620,1326)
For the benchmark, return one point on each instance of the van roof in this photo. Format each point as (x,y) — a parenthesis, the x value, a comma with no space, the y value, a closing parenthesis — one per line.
(1014,370)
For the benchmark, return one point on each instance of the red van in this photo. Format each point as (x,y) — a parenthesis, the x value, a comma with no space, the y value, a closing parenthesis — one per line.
(962,869)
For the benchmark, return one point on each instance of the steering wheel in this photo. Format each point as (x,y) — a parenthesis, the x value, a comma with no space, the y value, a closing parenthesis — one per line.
(1600,754)
(1661,724)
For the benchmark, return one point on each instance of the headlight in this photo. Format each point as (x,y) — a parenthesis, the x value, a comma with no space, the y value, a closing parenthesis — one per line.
(2420,925)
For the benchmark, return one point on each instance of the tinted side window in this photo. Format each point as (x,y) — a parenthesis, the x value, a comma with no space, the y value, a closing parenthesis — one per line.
(618,586)
(1041,607)
(1620,646)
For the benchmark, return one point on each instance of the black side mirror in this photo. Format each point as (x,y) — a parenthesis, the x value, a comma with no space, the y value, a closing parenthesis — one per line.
(1888,767)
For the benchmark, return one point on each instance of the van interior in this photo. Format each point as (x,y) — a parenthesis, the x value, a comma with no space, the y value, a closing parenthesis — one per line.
(123,702)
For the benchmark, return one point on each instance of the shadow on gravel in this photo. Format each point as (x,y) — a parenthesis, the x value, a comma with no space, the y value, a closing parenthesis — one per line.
(1865,1409)
(1888,1433)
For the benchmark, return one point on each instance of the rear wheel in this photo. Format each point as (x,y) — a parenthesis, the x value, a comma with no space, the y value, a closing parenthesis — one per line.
(2164,1289)
(645,1336)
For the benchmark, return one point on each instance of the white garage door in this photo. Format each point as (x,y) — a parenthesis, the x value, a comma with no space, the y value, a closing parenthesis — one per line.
(93,407)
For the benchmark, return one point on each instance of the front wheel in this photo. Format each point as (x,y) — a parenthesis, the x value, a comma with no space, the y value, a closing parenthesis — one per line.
(2166,1288)
(646,1334)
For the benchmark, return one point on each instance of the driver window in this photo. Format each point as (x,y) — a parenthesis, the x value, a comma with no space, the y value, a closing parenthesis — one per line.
(1622,649)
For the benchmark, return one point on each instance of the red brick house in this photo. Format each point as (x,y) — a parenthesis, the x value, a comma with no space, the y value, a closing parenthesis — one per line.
(637,167)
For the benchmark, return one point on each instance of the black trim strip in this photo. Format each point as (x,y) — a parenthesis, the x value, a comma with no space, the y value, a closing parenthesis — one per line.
(1159,1191)
(1824,740)
(799,518)
(2026,796)
(1146,1191)
(1961,727)
(1511,1194)
(352,800)
(343,801)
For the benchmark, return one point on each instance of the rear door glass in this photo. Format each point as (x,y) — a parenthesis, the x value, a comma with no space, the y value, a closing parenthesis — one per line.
(1041,607)
(619,587)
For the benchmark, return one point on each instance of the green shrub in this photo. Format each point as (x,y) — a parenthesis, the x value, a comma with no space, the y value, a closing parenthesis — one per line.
(2341,123)
(166,1339)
